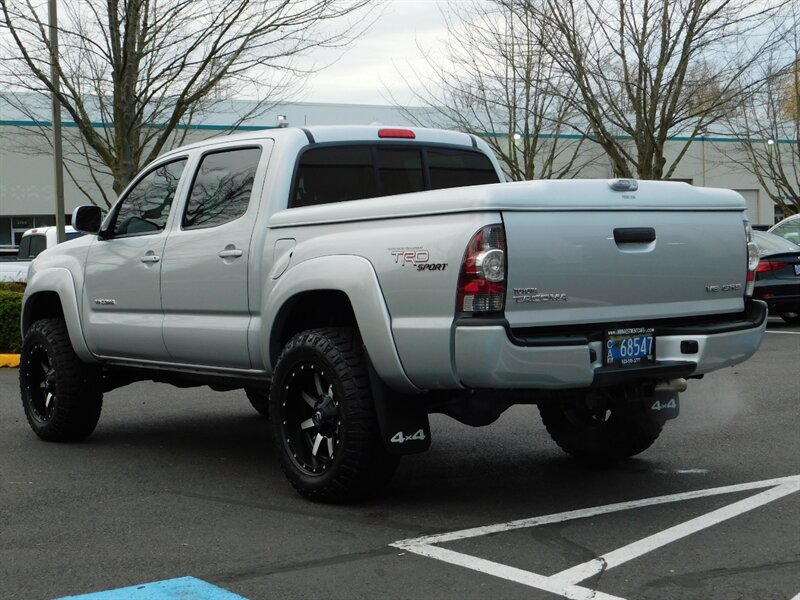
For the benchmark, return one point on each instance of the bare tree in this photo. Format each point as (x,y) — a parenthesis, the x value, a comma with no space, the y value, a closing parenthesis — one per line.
(649,71)
(496,81)
(768,124)
(135,73)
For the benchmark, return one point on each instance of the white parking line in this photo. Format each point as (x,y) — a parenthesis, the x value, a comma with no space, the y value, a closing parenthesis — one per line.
(790,333)
(662,538)
(564,583)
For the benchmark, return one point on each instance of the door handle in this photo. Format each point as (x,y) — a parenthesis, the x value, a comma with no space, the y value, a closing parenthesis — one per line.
(230,253)
(150,258)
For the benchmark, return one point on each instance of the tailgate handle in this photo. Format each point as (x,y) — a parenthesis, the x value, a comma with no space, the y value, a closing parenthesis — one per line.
(634,235)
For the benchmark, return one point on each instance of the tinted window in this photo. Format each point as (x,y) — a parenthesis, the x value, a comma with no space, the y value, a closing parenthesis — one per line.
(25,247)
(146,207)
(38,245)
(73,235)
(5,231)
(222,188)
(400,170)
(334,174)
(454,168)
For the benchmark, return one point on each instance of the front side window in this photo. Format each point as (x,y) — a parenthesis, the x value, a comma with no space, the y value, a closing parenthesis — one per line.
(222,188)
(146,207)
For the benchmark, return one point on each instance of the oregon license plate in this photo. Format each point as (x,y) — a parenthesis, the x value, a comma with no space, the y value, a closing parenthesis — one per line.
(630,346)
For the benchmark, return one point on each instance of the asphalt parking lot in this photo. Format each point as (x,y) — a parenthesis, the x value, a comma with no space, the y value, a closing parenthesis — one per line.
(183,483)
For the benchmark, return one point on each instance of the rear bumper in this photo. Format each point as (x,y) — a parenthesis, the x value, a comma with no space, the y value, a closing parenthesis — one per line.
(488,354)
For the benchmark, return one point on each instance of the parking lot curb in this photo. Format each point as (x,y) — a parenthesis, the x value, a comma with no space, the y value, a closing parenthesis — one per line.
(9,360)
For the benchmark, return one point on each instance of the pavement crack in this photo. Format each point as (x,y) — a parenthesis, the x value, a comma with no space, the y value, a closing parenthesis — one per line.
(280,568)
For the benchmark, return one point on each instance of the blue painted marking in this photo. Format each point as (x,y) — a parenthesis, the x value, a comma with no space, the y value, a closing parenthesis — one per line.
(183,588)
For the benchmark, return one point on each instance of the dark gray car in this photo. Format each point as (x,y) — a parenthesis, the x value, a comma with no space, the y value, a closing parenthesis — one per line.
(778,275)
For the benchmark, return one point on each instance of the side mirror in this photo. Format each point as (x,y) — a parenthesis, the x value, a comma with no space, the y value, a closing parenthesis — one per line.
(87,219)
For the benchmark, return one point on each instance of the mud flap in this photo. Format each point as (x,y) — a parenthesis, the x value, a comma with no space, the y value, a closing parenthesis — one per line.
(664,404)
(402,418)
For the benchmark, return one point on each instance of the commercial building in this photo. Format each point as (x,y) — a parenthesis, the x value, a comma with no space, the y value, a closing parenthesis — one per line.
(27,173)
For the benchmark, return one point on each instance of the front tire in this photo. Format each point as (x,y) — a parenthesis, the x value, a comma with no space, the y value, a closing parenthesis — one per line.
(324,425)
(600,426)
(792,318)
(61,395)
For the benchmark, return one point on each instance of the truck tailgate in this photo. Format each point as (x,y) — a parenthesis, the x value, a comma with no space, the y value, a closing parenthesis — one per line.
(615,265)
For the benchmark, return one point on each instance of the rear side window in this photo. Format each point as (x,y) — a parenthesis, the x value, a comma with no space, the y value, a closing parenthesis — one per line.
(400,170)
(341,173)
(222,188)
(38,245)
(335,174)
(24,247)
(32,246)
(454,168)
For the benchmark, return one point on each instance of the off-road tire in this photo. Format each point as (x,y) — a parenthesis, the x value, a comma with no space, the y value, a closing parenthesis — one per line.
(259,399)
(600,435)
(62,396)
(326,367)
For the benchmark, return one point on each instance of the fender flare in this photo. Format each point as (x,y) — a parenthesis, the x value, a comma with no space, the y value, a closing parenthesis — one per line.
(58,280)
(356,278)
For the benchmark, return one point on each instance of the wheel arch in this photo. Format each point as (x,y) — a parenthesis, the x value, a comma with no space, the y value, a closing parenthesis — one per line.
(340,290)
(310,310)
(52,295)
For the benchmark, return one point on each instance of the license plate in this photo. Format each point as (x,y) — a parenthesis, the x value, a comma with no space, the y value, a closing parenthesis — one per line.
(797,269)
(630,346)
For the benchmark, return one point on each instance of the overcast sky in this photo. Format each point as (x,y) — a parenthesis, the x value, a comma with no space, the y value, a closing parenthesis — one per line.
(356,77)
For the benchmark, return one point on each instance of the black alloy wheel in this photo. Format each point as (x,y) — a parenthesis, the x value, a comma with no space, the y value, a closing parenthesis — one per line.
(311,415)
(41,383)
(325,429)
(62,396)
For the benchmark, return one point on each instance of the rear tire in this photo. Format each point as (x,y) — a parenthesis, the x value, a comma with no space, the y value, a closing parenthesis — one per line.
(600,427)
(324,424)
(792,318)
(259,399)
(62,397)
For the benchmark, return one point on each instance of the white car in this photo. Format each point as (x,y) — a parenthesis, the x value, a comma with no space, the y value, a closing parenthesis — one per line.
(788,228)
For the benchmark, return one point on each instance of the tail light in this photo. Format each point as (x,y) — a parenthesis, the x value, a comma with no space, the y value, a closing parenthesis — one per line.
(770,265)
(482,280)
(752,260)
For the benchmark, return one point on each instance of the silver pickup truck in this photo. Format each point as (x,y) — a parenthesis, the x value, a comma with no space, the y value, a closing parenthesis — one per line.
(353,280)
